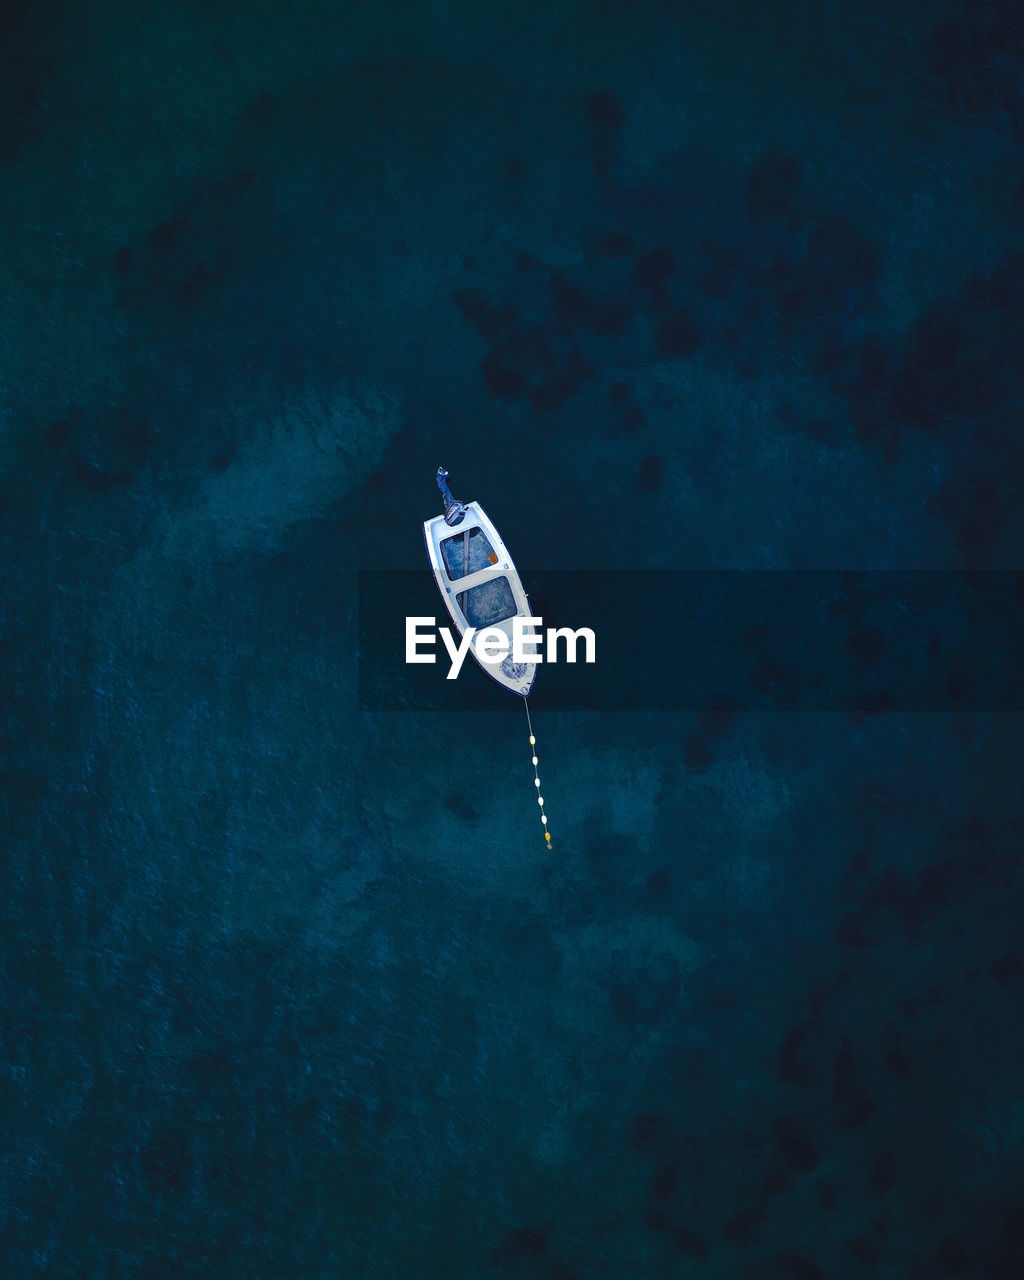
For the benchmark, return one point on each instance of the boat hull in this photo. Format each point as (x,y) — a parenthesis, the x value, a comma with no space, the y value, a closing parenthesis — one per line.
(480,586)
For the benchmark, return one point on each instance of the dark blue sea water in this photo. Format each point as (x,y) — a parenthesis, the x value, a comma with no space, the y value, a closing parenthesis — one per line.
(291,986)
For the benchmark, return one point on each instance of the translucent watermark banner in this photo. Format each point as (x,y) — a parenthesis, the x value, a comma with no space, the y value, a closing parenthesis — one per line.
(664,640)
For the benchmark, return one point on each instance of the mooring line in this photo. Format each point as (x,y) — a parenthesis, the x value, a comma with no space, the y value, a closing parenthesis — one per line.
(536,775)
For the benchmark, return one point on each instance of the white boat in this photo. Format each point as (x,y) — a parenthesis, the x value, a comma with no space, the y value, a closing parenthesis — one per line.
(478,581)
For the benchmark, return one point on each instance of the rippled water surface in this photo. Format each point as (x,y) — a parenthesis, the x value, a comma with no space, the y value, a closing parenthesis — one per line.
(291,984)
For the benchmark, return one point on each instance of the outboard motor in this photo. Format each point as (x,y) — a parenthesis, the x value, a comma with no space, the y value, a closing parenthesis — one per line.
(454,512)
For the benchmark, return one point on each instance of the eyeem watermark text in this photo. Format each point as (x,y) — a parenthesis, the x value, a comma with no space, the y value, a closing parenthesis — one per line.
(492,644)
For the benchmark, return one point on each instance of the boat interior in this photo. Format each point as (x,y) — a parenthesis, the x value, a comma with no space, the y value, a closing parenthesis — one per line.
(487,603)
